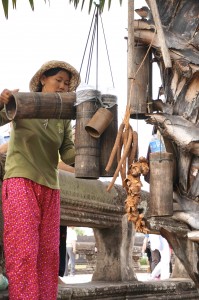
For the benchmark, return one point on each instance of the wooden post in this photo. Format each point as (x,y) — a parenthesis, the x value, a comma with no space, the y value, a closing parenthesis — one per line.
(160,33)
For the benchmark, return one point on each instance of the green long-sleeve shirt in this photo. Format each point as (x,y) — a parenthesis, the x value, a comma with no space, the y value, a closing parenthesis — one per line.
(34,146)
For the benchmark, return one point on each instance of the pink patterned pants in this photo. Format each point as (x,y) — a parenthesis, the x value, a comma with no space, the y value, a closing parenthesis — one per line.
(31,239)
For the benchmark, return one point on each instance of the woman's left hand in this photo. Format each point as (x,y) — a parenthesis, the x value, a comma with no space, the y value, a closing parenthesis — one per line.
(6,95)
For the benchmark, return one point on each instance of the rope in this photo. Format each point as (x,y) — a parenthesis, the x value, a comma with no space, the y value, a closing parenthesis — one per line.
(60,98)
(88,95)
(125,125)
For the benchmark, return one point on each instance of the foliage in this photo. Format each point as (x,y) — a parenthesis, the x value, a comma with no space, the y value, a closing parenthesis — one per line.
(14,5)
(91,2)
(79,231)
(144,261)
(75,2)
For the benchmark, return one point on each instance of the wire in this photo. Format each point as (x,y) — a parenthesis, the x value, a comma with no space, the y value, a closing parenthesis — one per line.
(94,33)
(90,55)
(87,41)
(97,24)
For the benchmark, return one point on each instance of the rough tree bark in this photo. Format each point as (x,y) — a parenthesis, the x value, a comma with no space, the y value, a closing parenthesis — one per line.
(177,117)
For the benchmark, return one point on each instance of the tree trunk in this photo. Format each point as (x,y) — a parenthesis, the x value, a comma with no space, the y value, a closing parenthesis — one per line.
(177,116)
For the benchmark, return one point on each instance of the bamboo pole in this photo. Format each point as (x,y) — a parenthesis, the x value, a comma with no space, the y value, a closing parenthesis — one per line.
(130,39)
(160,33)
(130,65)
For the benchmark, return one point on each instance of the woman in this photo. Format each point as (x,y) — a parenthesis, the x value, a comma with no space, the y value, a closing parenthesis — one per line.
(30,195)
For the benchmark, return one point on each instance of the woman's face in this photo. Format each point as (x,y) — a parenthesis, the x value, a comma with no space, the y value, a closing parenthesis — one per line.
(58,83)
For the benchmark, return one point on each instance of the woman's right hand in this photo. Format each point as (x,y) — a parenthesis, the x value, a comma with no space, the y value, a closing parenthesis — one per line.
(6,95)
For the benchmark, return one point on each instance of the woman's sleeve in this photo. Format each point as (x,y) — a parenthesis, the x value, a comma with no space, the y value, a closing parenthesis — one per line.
(3,118)
(67,149)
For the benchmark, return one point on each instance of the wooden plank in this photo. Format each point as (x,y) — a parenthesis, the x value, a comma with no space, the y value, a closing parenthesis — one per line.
(160,33)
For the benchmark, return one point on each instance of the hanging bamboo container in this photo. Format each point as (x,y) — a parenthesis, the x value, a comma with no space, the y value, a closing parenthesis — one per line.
(41,106)
(140,89)
(107,139)
(161,184)
(99,122)
(87,148)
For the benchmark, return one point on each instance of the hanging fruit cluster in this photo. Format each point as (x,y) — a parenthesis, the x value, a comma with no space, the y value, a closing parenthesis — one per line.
(133,186)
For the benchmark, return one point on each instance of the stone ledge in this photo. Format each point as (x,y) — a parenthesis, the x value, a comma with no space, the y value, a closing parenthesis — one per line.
(156,223)
(87,203)
(172,289)
(168,290)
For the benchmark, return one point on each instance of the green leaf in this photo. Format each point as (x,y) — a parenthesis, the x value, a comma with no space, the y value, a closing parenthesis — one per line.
(82,4)
(76,2)
(102,3)
(5,7)
(90,5)
(32,4)
(14,3)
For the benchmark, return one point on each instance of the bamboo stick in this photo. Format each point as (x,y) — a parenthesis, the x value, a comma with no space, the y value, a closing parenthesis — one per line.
(123,158)
(116,145)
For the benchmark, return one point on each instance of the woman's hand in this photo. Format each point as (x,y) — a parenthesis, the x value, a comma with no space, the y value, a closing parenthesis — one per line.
(6,95)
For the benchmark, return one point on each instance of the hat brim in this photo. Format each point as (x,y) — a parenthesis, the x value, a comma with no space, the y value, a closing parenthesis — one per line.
(74,81)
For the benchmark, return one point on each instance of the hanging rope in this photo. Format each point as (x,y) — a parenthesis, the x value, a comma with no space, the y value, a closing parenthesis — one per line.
(90,55)
(125,126)
(94,34)
(107,52)
(97,45)
(87,40)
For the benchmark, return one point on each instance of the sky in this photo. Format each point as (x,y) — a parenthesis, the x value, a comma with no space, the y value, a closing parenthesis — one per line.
(59,31)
